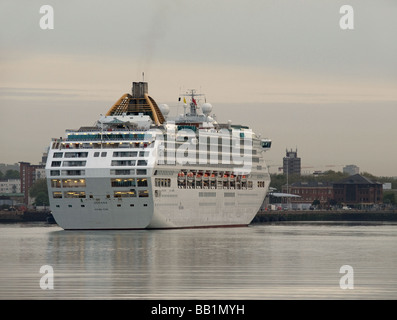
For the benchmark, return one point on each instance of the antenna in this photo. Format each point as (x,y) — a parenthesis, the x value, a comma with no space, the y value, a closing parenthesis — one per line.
(143,76)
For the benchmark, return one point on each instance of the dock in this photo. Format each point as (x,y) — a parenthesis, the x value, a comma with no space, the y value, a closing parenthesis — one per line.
(261,217)
(23,216)
(326,215)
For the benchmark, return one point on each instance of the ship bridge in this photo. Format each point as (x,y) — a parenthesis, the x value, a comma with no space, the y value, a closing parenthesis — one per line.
(137,103)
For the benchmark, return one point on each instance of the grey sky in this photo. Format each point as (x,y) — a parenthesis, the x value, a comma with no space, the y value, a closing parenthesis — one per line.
(283,66)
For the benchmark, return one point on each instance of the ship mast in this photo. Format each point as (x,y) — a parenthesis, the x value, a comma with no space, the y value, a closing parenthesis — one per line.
(193,102)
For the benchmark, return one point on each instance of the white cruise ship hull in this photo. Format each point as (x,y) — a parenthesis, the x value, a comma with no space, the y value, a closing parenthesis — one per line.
(161,199)
(164,207)
(193,211)
(178,214)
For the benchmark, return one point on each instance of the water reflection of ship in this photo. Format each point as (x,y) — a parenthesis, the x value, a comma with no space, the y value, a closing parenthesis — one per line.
(140,263)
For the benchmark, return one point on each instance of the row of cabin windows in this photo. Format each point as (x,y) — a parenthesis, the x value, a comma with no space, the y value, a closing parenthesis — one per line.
(117,172)
(131,193)
(118,205)
(68,163)
(55,173)
(102,154)
(129,182)
(160,182)
(213,184)
(70,155)
(214,146)
(261,184)
(117,182)
(68,183)
(124,172)
(128,163)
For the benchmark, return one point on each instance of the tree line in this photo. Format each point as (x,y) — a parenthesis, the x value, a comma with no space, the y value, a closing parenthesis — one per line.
(9,174)
(278,180)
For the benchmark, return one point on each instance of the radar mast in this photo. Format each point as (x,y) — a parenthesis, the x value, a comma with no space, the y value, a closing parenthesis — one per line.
(193,102)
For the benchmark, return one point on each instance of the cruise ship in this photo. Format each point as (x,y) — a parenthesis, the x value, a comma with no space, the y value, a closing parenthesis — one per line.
(140,168)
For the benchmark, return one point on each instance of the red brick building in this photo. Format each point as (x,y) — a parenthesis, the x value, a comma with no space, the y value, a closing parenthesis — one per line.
(309,192)
(358,190)
(27,175)
(355,190)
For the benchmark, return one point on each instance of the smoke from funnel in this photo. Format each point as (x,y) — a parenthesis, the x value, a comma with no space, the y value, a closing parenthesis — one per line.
(156,31)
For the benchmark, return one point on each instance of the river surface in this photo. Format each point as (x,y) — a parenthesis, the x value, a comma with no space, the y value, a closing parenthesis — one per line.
(284,260)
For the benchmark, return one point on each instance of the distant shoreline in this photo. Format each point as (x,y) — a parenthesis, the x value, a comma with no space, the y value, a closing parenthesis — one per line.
(326,215)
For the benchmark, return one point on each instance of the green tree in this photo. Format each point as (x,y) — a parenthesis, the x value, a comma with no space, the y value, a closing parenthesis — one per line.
(11,174)
(389,198)
(332,202)
(39,191)
(277,181)
(41,199)
(316,203)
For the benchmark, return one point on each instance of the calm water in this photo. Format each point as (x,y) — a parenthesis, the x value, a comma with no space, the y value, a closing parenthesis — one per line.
(262,261)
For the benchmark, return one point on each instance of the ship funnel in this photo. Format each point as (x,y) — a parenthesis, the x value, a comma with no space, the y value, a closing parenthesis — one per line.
(139,89)
(138,102)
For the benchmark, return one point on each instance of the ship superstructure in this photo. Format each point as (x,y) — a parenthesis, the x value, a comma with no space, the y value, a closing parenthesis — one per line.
(138,168)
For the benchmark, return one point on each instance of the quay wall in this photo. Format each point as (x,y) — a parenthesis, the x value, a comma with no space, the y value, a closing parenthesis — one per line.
(326,215)
(262,216)
(23,216)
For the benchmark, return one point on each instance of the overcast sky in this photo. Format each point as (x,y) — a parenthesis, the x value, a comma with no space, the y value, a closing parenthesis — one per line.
(283,67)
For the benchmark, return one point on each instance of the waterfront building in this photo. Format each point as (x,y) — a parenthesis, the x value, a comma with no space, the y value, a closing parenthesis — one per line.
(351,169)
(358,190)
(5,167)
(387,186)
(354,191)
(308,192)
(10,186)
(28,176)
(291,162)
